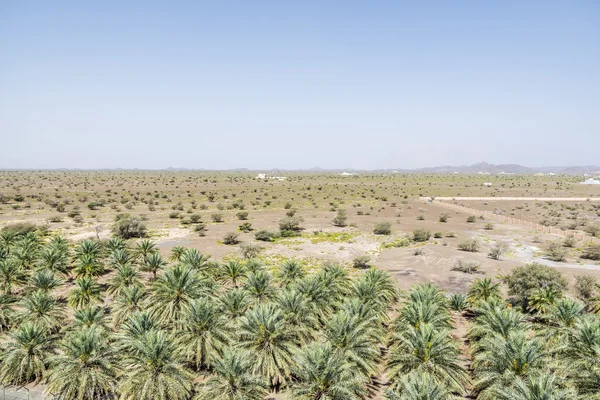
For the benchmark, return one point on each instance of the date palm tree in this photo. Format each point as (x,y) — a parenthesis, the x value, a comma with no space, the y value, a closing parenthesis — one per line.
(7,311)
(144,248)
(233,272)
(176,253)
(290,271)
(234,303)
(499,361)
(298,314)
(206,332)
(153,262)
(85,368)
(54,258)
(481,290)
(85,293)
(125,277)
(259,287)
(264,333)
(540,387)
(12,276)
(173,292)
(427,349)
(120,257)
(115,243)
(24,358)
(376,290)
(420,386)
(578,358)
(88,248)
(495,319)
(44,281)
(88,266)
(153,370)
(92,316)
(323,373)
(543,299)
(130,300)
(195,260)
(43,309)
(232,379)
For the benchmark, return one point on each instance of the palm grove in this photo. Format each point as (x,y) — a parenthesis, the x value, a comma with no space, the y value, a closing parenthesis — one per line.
(115,320)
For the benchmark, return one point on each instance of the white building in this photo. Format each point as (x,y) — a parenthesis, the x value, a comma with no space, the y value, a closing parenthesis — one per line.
(346,174)
(487,184)
(261,176)
(591,181)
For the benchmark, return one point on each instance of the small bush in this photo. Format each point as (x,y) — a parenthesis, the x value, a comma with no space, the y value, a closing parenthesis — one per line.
(418,251)
(556,252)
(361,262)
(585,286)
(523,281)
(249,250)
(421,235)
(200,229)
(592,230)
(489,226)
(341,218)
(20,228)
(591,252)
(231,238)
(466,266)
(497,250)
(245,227)
(242,215)
(290,226)
(266,236)
(174,214)
(471,219)
(420,217)
(217,217)
(438,235)
(569,241)
(471,245)
(444,217)
(383,228)
(195,218)
(127,227)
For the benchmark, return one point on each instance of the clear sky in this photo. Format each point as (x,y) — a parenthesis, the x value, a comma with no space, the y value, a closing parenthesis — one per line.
(298,84)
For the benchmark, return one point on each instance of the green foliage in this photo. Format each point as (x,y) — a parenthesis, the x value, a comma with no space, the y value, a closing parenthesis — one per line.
(127,227)
(421,235)
(382,228)
(523,281)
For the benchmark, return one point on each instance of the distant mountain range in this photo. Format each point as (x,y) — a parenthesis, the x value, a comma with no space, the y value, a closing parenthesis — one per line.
(481,167)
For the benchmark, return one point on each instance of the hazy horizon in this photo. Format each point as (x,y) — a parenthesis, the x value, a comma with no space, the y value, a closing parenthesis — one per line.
(265,85)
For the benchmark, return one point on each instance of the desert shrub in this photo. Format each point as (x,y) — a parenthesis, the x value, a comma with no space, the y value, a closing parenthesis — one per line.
(231,238)
(420,217)
(287,205)
(593,230)
(489,226)
(471,219)
(200,229)
(55,219)
(421,235)
(249,250)
(242,215)
(127,227)
(195,218)
(497,250)
(20,228)
(217,217)
(585,287)
(444,217)
(466,266)
(523,281)
(556,252)
(341,218)
(19,198)
(470,245)
(291,212)
(290,226)
(450,235)
(419,251)
(591,252)
(382,228)
(245,227)
(174,214)
(265,235)
(4,199)
(361,262)
(569,241)
(438,235)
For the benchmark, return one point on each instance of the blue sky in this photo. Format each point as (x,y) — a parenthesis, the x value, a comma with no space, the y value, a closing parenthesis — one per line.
(348,84)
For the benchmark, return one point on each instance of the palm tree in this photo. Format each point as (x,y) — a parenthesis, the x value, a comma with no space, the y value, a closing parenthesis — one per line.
(482,289)
(194,259)
(45,281)
(153,262)
(125,277)
(7,311)
(264,333)
(136,326)
(26,251)
(254,265)
(290,272)
(206,332)
(376,289)
(420,386)
(8,239)
(87,292)
(258,285)
(130,300)
(90,316)
(12,275)
(499,361)
(43,309)
(540,387)
(323,373)
(414,314)
(144,248)
(173,292)
(85,368)
(427,349)
(543,299)
(88,266)
(153,370)
(88,248)
(495,319)
(232,379)
(232,272)
(120,257)
(25,357)
(298,314)
(336,279)
(458,302)
(234,302)
(176,253)
(54,258)
(427,293)
(115,243)
(560,321)
(356,339)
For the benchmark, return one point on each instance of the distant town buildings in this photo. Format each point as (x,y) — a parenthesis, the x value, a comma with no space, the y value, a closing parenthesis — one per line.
(487,184)
(591,181)
(265,177)
(346,174)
